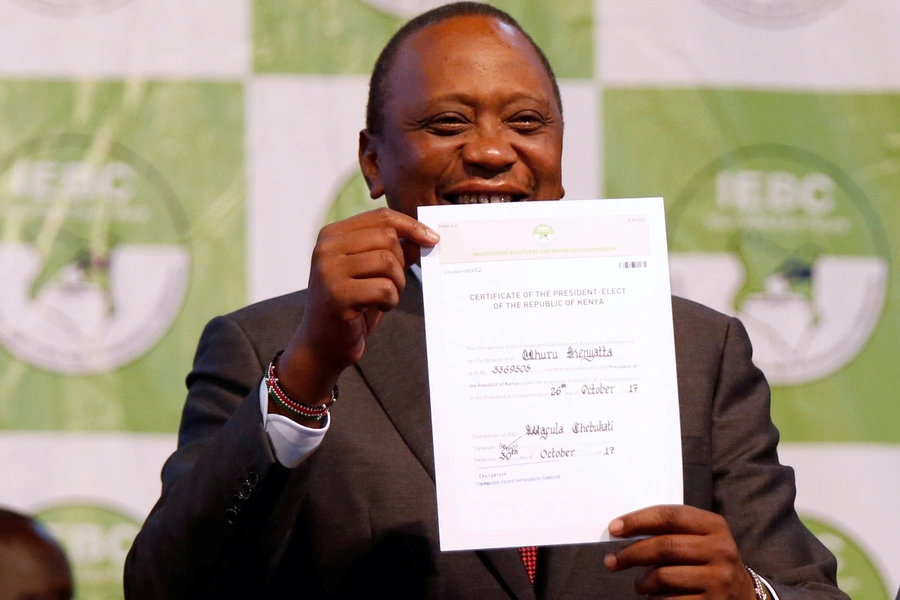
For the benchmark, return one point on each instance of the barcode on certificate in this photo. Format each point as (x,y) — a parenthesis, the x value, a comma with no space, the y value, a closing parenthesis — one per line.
(634,264)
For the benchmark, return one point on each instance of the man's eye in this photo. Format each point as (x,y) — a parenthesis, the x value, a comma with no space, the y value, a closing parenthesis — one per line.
(527,122)
(447,124)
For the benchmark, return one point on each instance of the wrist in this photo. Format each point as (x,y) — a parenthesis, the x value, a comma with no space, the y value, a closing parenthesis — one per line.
(304,377)
(759,589)
(280,402)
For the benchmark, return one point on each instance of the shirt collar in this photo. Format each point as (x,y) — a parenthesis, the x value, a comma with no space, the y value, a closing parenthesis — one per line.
(417,271)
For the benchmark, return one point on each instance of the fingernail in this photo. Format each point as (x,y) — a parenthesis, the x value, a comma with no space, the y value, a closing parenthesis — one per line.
(616,526)
(609,561)
(432,234)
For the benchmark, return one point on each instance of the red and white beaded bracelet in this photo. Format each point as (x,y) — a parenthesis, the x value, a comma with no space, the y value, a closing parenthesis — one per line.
(758,587)
(315,412)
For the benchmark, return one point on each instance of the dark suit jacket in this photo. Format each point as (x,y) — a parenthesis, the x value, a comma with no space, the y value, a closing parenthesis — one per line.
(359,517)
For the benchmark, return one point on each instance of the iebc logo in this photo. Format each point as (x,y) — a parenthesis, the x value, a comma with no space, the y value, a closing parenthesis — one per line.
(96,539)
(71,8)
(405,9)
(94,256)
(774,14)
(787,242)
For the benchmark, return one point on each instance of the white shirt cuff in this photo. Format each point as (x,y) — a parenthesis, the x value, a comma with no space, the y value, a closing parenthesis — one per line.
(291,442)
(769,587)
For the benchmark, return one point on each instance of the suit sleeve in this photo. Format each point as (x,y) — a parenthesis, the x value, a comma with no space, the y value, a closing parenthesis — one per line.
(752,490)
(202,537)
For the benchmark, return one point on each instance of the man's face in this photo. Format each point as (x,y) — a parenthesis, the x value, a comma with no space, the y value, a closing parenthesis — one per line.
(470,116)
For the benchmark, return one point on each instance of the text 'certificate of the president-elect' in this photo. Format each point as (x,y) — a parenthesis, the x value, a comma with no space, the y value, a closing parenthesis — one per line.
(551,363)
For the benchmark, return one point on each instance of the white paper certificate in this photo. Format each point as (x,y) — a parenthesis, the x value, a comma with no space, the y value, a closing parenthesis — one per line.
(551,364)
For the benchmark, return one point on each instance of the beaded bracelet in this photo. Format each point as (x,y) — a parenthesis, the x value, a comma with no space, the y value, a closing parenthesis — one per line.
(758,587)
(314,412)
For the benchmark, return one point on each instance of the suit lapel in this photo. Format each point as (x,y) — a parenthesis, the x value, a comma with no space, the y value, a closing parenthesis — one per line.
(394,365)
(506,565)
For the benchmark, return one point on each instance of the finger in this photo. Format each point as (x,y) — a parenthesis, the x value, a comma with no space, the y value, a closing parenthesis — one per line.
(411,253)
(707,581)
(404,225)
(357,241)
(408,228)
(670,581)
(374,264)
(372,317)
(365,294)
(663,519)
(662,550)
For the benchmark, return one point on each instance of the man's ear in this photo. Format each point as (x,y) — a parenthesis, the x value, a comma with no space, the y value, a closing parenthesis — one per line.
(368,163)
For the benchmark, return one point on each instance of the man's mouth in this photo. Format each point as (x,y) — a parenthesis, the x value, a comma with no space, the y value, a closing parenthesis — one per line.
(481,198)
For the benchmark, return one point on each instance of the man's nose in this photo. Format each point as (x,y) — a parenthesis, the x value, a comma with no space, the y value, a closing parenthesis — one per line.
(490,150)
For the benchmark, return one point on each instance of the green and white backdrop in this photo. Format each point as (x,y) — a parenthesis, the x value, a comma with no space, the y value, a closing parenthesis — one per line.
(165,161)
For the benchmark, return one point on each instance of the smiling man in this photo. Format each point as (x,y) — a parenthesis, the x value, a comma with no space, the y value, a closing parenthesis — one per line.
(275,491)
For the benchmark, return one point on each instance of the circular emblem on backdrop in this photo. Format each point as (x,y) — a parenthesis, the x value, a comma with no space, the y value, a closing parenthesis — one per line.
(96,540)
(787,242)
(856,573)
(405,9)
(71,8)
(94,262)
(774,14)
(543,234)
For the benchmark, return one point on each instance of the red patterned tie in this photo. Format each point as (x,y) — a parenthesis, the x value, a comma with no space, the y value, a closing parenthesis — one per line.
(529,557)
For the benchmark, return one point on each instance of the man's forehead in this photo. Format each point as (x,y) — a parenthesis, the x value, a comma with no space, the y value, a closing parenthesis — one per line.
(460,32)
(466,43)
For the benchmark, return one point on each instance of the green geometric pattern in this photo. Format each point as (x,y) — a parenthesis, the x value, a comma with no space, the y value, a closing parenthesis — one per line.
(345,36)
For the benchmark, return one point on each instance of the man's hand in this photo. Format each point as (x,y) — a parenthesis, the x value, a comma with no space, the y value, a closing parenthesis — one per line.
(356,275)
(690,554)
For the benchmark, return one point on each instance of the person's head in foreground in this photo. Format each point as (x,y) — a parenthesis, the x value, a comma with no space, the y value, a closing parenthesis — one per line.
(32,565)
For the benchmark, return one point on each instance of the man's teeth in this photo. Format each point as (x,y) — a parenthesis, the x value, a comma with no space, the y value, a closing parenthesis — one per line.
(483,198)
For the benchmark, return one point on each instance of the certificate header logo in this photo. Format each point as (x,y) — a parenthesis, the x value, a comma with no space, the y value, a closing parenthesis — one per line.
(543,234)
(609,235)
